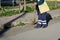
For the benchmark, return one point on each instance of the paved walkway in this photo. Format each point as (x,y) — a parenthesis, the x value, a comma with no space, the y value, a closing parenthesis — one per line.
(55,13)
(28,32)
(50,33)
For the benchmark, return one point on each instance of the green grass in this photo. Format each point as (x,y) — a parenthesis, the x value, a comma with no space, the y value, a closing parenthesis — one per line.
(18,24)
(1,28)
(29,9)
(51,5)
(9,7)
(0,8)
(9,13)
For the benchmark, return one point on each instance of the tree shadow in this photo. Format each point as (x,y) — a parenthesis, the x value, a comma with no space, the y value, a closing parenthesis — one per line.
(7,25)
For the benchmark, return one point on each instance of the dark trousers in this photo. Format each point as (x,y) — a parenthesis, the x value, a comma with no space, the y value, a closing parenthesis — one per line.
(42,20)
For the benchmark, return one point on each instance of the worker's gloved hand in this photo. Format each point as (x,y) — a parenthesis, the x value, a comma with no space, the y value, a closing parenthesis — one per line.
(35,3)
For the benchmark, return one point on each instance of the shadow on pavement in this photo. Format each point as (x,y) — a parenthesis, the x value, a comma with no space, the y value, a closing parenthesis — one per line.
(7,25)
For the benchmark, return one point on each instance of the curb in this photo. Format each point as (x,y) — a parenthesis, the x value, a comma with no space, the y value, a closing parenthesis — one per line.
(2,26)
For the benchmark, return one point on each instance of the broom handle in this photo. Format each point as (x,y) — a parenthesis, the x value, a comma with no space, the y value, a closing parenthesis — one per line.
(35,11)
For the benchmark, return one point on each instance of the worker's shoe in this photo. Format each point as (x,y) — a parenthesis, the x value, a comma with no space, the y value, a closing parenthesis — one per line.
(38,26)
(44,26)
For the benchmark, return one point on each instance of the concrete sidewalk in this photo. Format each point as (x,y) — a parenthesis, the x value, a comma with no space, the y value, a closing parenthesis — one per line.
(54,13)
(52,32)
